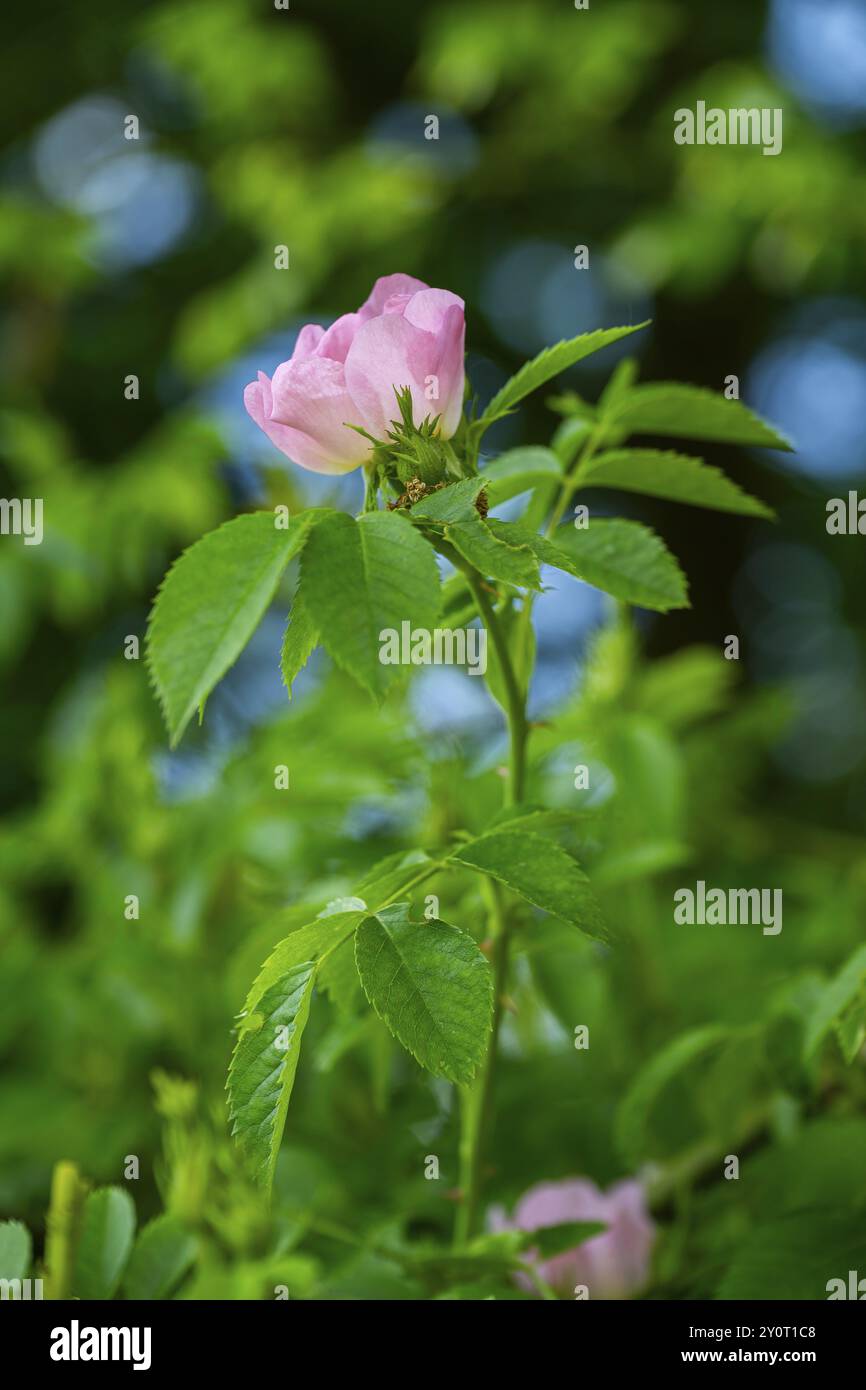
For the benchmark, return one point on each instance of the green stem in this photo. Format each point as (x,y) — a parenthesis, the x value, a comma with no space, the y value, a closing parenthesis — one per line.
(371,488)
(515,696)
(571,480)
(62,1229)
(542,1288)
(477,1099)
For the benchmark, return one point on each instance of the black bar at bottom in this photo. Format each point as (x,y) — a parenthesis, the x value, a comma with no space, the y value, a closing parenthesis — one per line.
(83,1339)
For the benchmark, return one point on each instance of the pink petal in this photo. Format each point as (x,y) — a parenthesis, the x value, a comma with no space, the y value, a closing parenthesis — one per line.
(551,1203)
(450,369)
(257,397)
(387,353)
(396,304)
(339,337)
(308,429)
(384,288)
(427,309)
(307,341)
(311,397)
(390,352)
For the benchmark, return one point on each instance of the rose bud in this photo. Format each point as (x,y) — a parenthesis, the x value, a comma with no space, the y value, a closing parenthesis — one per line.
(406,334)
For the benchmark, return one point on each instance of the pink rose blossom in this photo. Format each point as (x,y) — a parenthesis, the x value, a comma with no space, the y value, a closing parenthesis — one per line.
(613,1264)
(406,334)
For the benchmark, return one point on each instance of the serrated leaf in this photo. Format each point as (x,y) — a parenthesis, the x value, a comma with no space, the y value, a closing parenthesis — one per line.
(16,1250)
(307,943)
(393,876)
(539,870)
(431,986)
(691,412)
(362,577)
(261,1073)
(299,641)
(501,555)
(162,1255)
(210,603)
(623,558)
(558,823)
(675,477)
(550,363)
(453,503)
(263,1066)
(651,1080)
(518,470)
(107,1230)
